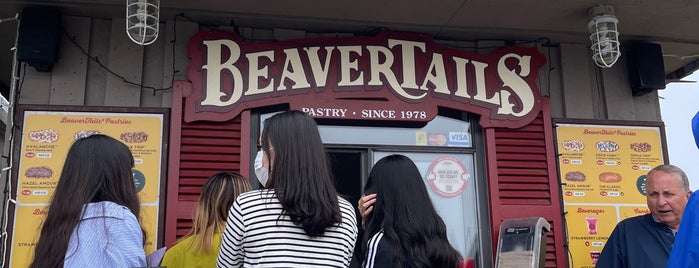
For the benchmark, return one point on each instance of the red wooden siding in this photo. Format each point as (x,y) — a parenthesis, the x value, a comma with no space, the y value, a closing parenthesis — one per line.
(198,150)
(523,182)
(521,170)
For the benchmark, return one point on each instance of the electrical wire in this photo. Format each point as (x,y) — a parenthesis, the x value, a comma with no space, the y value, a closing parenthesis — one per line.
(11,110)
(15,18)
(7,192)
(123,79)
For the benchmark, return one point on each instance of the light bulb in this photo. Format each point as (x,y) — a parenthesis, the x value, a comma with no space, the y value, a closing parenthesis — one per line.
(142,24)
(604,36)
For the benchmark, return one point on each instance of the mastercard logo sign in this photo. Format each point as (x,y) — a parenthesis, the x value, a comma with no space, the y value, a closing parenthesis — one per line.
(437,139)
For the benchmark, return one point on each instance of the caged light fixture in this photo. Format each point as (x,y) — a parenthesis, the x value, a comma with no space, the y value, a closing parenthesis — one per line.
(604,35)
(142,20)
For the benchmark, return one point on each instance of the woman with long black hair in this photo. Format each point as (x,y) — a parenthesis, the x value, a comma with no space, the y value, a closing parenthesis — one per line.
(93,214)
(402,227)
(299,220)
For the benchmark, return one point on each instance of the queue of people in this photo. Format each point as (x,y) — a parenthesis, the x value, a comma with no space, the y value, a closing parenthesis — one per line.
(298,219)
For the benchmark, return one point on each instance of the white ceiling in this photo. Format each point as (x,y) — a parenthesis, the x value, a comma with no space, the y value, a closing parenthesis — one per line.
(671,23)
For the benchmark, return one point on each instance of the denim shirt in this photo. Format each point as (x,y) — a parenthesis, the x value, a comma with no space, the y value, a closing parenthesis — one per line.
(107,235)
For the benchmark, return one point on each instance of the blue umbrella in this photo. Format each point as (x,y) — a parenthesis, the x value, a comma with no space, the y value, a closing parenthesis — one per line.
(695,128)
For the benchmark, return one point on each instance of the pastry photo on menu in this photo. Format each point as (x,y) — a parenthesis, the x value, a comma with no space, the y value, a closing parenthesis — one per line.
(609,177)
(641,147)
(42,172)
(607,146)
(134,137)
(43,135)
(575,176)
(573,145)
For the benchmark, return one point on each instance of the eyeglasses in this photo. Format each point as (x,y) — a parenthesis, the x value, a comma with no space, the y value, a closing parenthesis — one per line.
(268,149)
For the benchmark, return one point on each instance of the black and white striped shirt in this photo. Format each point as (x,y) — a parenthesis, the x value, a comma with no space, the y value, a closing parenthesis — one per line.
(258,235)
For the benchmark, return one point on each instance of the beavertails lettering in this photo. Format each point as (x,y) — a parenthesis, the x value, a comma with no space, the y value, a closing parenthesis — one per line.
(226,72)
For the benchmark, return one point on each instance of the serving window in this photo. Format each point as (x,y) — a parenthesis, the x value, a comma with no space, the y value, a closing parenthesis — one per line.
(448,151)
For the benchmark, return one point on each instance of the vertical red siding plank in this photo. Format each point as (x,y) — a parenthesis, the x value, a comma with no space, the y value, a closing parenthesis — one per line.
(174,160)
(551,211)
(558,237)
(245,143)
(494,193)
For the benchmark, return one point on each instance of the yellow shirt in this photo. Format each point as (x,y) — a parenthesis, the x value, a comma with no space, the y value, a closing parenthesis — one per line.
(181,255)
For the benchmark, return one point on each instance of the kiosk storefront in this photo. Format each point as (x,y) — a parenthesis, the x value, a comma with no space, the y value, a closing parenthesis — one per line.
(474,124)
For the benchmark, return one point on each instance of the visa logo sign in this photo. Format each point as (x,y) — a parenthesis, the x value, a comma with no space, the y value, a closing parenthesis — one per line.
(460,139)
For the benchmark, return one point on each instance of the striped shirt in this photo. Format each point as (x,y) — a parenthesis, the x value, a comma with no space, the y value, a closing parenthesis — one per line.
(107,235)
(258,235)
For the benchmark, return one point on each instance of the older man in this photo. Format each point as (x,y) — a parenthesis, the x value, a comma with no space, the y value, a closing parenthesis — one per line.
(646,240)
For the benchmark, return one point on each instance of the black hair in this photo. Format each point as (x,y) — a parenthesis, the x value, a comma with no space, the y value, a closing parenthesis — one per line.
(300,171)
(404,211)
(97,168)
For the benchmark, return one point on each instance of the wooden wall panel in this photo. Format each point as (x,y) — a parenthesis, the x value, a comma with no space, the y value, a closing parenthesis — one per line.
(285,34)
(167,33)
(97,76)
(125,59)
(550,84)
(617,92)
(35,86)
(647,107)
(576,88)
(488,46)
(153,71)
(262,35)
(185,30)
(70,72)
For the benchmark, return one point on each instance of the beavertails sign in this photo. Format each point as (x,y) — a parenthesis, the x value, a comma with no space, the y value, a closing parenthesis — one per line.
(391,77)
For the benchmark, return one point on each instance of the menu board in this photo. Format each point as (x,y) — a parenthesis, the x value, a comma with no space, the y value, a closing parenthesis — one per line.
(45,141)
(603,174)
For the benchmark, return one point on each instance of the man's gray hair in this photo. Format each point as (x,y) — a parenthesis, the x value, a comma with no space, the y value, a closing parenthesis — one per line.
(672,169)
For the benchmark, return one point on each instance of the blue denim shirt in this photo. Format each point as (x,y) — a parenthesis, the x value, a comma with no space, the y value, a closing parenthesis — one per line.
(107,235)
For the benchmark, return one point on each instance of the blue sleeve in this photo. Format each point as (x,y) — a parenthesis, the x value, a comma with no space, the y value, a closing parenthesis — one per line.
(127,248)
(614,253)
(685,251)
(695,128)
(120,246)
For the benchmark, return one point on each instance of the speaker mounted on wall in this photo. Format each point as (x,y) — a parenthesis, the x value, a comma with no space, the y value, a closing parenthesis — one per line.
(38,38)
(646,68)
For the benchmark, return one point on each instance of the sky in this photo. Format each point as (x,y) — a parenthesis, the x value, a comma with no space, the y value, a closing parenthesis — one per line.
(679,102)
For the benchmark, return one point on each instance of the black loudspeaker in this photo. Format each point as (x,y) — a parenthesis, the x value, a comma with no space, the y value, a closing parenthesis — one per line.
(646,68)
(39,33)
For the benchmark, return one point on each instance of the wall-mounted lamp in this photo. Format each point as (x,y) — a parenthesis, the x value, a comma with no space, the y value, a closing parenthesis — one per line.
(142,20)
(604,35)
